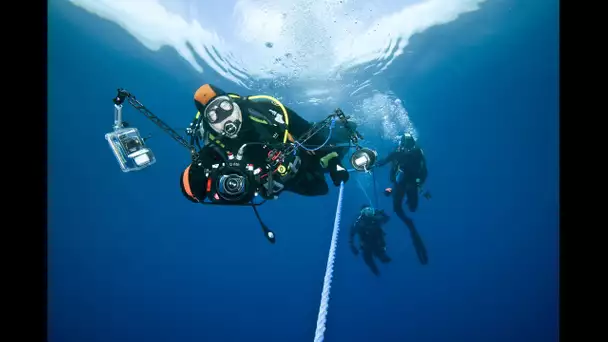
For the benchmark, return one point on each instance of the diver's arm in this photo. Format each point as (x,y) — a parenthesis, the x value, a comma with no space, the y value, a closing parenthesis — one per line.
(297,124)
(391,157)
(354,229)
(383,217)
(353,232)
(423,170)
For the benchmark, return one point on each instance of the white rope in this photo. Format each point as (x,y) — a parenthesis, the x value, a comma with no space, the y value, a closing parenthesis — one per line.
(329,270)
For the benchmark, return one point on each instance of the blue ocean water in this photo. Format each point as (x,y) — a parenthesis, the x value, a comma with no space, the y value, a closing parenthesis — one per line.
(130,259)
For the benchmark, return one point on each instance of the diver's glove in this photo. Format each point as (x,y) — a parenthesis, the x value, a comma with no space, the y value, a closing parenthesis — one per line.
(337,172)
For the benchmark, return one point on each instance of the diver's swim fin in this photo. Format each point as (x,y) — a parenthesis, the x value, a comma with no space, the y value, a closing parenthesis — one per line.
(416,239)
(420,249)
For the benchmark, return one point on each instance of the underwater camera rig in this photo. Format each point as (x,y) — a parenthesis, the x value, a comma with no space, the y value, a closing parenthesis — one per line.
(362,160)
(132,154)
(126,142)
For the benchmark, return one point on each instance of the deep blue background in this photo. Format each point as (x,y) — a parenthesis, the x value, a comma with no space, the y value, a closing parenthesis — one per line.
(131,260)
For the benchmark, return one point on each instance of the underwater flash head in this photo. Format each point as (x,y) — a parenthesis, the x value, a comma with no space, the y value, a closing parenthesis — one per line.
(363,159)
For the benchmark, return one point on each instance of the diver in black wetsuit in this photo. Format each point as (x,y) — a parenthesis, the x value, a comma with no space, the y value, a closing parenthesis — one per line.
(232,124)
(408,174)
(371,236)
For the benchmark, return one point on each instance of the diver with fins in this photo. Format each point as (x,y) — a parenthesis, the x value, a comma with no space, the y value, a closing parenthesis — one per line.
(246,148)
(368,226)
(408,174)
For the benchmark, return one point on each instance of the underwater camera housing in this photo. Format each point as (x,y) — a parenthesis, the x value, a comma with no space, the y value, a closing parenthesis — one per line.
(129,149)
(231,183)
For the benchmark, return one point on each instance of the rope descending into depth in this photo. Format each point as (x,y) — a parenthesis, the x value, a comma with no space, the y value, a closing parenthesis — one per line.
(329,270)
(375,191)
(371,204)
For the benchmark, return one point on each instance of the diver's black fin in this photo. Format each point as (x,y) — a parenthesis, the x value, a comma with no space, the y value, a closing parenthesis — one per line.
(416,239)
(420,249)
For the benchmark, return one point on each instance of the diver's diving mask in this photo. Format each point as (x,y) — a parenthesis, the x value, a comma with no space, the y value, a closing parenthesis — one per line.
(224,116)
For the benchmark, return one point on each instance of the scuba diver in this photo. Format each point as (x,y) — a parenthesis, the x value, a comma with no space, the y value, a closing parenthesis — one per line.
(371,236)
(245,148)
(408,174)
(235,128)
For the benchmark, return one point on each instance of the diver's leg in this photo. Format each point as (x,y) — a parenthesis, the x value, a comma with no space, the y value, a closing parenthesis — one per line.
(310,179)
(368,257)
(308,184)
(412,197)
(380,250)
(382,256)
(393,172)
(398,193)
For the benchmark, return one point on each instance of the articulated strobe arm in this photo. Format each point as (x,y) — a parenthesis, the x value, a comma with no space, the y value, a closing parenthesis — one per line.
(118,101)
(123,95)
(117,117)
